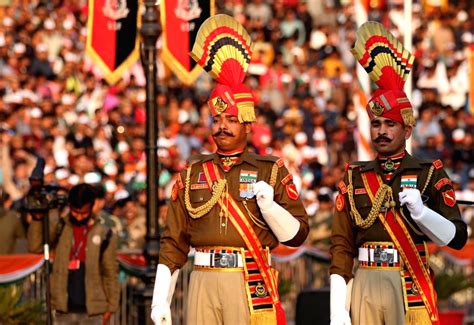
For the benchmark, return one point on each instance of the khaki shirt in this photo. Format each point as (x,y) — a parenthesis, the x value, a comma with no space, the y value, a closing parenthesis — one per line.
(347,237)
(182,231)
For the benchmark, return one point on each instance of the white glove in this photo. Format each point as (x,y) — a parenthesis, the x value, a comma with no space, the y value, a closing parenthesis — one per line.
(281,222)
(439,229)
(162,295)
(412,198)
(339,306)
(264,194)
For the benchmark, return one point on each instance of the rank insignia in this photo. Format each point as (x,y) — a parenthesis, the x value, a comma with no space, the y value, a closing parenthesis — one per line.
(179,182)
(408,181)
(339,202)
(449,198)
(443,181)
(280,162)
(201,178)
(292,191)
(438,164)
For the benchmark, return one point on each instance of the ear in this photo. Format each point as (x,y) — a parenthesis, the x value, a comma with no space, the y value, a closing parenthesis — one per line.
(248,127)
(408,131)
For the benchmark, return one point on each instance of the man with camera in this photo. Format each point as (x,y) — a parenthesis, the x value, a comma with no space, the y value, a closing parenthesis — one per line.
(84,287)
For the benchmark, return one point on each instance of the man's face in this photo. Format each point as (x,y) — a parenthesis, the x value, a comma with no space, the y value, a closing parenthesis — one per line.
(82,213)
(228,133)
(388,136)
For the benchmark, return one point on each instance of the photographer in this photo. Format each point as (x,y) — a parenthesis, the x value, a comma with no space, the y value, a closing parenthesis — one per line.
(84,287)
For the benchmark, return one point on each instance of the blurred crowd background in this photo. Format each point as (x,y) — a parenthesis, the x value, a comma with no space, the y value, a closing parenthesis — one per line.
(55,104)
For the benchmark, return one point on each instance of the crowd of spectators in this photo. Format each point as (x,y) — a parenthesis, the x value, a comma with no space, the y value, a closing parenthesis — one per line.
(55,103)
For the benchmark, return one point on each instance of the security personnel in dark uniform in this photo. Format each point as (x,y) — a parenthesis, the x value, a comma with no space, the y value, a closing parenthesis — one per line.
(232,206)
(388,208)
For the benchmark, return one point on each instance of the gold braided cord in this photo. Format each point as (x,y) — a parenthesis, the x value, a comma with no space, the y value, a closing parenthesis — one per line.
(259,223)
(200,211)
(273,175)
(383,193)
(428,179)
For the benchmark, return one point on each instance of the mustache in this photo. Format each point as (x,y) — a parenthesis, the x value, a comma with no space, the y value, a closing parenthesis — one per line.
(382,138)
(223,132)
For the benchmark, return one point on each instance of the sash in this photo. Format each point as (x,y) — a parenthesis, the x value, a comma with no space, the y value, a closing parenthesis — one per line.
(254,246)
(393,224)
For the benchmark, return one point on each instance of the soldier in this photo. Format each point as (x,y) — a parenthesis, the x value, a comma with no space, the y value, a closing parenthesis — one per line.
(386,209)
(232,206)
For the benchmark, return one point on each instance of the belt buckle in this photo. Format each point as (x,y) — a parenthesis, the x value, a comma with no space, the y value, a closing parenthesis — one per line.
(225,260)
(381,255)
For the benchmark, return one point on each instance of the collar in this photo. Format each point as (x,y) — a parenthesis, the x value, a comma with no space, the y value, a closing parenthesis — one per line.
(247,156)
(408,162)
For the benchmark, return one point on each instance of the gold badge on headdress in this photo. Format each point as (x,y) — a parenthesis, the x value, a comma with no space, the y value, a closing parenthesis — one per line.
(376,108)
(219,105)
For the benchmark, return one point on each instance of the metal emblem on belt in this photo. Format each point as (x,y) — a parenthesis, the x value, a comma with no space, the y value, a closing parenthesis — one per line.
(260,290)
(414,289)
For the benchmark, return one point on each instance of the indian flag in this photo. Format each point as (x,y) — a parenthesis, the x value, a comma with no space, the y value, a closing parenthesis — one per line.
(248,176)
(408,181)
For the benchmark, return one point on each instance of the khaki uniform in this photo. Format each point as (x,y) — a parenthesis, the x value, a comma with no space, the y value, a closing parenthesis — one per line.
(347,237)
(101,279)
(11,230)
(182,231)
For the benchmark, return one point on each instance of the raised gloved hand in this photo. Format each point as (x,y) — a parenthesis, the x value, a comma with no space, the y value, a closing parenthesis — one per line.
(412,198)
(340,292)
(439,229)
(162,295)
(264,194)
(281,222)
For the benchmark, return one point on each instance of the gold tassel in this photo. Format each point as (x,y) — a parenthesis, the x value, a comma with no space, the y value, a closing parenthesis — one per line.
(417,316)
(263,318)
(246,112)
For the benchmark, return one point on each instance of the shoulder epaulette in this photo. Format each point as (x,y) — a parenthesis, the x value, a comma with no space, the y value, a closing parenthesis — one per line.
(267,158)
(438,164)
(179,181)
(354,165)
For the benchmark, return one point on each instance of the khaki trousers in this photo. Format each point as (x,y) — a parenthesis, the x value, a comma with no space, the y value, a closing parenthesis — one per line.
(217,297)
(377,298)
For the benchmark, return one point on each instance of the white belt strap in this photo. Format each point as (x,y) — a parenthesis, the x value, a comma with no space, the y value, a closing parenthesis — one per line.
(225,259)
(367,254)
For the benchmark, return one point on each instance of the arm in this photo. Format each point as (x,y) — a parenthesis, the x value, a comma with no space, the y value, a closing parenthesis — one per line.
(441,219)
(343,251)
(110,274)
(282,209)
(173,255)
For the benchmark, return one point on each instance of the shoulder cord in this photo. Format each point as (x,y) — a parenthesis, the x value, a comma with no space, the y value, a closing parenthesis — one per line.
(273,175)
(217,191)
(383,193)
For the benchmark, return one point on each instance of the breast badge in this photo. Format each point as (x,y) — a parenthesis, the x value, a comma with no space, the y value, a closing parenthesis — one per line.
(449,198)
(292,191)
